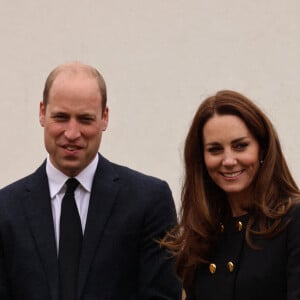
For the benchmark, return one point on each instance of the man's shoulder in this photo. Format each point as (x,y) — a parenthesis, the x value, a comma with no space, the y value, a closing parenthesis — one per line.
(16,185)
(136,177)
(145,192)
(20,185)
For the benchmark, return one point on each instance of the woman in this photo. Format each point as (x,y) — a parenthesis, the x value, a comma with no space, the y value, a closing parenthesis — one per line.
(239,230)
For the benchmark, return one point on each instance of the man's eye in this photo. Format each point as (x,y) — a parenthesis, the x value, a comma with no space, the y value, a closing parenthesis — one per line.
(86,119)
(59,117)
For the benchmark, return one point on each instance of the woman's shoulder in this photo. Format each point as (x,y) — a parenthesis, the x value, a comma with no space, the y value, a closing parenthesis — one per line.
(293,218)
(294,211)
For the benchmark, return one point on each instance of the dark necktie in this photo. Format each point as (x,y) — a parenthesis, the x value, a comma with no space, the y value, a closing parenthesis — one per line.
(70,241)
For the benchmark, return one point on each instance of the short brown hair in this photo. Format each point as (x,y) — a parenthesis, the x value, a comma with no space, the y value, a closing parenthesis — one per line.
(75,67)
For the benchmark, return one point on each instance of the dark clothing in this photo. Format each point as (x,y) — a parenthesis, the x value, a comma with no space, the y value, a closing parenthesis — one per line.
(270,272)
(120,256)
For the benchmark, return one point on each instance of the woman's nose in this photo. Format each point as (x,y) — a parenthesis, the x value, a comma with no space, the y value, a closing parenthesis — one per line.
(229,159)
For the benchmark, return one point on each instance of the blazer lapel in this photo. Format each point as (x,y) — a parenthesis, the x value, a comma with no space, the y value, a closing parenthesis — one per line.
(39,214)
(103,195)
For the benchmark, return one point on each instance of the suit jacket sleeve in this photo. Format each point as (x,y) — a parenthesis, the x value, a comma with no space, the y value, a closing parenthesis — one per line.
(4,294)
(157,278)
(293,248)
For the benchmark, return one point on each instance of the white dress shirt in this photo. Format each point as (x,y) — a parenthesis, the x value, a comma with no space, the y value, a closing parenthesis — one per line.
(57,179)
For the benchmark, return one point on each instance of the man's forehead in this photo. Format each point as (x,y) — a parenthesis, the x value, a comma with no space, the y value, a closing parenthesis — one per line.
(68,80)
(73,74)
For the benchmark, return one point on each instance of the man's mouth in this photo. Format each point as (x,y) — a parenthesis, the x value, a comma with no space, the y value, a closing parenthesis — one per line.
(71,148)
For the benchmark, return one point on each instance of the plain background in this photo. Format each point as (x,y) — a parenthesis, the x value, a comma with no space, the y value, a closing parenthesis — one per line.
(160,59)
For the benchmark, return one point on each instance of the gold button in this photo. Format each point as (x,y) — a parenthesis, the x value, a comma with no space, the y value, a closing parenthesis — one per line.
(221,227)
(212,268)
(239,226)
(230,266)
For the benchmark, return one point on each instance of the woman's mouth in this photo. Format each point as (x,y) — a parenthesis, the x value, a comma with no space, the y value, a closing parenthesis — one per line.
(232,174)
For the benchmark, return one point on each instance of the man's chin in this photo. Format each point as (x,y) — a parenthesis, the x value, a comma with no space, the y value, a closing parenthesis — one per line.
(71,169)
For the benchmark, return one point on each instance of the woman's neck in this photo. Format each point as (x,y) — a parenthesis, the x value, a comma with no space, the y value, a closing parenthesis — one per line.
(239,204)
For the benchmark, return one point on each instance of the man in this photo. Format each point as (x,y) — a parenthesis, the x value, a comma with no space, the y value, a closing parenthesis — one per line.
(113,253)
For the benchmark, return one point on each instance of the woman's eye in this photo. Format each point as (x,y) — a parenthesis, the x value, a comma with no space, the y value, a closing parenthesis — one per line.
(241,146)
(214,150)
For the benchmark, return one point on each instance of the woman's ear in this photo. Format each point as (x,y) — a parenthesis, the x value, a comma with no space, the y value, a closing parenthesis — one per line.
(261,158)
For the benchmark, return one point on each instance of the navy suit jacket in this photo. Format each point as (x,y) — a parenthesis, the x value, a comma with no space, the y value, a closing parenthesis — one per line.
(121,259)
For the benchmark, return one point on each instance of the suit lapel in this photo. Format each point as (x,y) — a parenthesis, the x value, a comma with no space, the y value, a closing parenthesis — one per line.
(103,195)
(39,215)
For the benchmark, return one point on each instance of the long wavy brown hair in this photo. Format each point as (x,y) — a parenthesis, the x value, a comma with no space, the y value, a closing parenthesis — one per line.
(204,204)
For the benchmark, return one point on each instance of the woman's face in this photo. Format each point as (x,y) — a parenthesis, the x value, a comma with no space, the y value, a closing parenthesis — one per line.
(231,154)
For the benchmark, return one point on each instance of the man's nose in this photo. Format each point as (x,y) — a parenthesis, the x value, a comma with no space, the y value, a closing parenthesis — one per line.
(72,130)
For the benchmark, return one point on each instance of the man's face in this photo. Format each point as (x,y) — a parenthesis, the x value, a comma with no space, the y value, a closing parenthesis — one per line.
(73,122)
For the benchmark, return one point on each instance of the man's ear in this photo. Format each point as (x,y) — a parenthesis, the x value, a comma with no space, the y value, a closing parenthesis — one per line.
(42,114)
(105,118)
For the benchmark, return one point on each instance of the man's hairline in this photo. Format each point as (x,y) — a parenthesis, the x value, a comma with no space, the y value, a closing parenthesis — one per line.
(67,69)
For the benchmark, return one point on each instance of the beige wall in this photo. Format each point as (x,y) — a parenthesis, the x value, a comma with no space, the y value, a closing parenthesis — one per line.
(160,58)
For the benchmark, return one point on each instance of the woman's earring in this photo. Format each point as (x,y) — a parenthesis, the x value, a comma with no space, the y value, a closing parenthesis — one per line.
(261,162)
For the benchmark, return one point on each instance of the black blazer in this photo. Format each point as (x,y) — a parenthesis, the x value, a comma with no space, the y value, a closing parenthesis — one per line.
(270,272)
(120,258)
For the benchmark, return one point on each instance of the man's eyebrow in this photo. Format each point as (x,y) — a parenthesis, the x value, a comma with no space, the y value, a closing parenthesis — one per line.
(54,113)
(86,115)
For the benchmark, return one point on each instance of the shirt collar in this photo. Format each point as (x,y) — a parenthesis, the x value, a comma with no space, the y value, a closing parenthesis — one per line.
(57,179)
